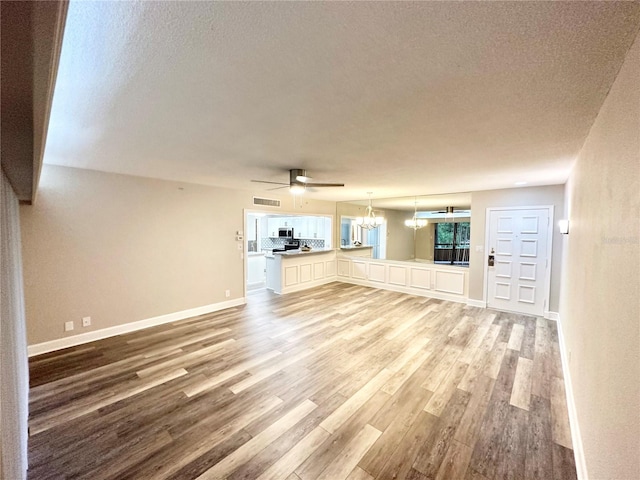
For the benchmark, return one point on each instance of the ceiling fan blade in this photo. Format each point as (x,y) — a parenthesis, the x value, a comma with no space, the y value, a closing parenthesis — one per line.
(277,188)
(275,183)
(303,179)
(324,184)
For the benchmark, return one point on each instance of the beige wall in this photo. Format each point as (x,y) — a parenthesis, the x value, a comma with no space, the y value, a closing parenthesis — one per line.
(599,310)
(513,197)
(400,241)
(424,241)
(121,248)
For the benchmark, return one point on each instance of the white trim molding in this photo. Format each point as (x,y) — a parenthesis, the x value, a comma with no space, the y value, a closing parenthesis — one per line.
(292,273)
(476,303)
(66,342)
(576,438)
(416,278)
(551,315)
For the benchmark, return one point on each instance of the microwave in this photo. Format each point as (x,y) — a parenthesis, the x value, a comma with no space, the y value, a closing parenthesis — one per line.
(285,232)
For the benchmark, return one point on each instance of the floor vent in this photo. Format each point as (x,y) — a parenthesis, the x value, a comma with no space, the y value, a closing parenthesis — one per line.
(266,202)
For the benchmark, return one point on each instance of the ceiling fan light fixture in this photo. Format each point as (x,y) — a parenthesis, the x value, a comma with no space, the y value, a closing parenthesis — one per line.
(448,215)
(298,182)
(296,189)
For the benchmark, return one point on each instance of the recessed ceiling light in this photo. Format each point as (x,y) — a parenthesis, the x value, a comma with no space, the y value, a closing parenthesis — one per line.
(519,184)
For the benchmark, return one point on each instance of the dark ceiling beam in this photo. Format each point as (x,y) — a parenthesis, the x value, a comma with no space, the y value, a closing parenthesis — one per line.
(31,41)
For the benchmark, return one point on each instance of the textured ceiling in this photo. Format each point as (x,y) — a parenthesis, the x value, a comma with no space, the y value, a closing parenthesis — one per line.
(398,98)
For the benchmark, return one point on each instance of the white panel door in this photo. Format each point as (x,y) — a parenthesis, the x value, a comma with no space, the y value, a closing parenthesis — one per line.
(518,240)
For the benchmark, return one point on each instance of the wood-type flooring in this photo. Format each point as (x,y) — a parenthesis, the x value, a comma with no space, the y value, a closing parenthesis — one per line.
(336,382)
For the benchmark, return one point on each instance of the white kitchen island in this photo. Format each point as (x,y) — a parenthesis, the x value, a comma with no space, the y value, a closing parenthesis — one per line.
(295,270)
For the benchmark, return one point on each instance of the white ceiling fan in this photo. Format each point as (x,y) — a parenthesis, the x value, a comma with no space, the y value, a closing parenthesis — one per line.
(298,182)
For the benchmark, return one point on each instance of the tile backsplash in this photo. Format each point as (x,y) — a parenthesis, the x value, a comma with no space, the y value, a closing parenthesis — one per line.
(269,242)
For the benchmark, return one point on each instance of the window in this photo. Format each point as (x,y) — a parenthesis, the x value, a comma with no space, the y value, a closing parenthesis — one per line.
(451,243)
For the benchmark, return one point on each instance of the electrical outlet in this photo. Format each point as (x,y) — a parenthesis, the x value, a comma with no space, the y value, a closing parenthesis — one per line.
(68,326)
(86,321)
(227,293)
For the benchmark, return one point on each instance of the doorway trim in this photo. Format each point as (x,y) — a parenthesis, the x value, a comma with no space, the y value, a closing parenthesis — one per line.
(485,294)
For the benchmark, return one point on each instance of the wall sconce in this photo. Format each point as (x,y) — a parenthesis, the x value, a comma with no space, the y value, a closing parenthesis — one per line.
(563,225)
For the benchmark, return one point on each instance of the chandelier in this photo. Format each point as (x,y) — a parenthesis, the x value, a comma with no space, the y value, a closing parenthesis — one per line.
(416,222)
(370,220)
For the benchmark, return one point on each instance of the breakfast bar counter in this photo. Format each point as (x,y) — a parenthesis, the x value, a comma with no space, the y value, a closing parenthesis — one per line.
(295,270)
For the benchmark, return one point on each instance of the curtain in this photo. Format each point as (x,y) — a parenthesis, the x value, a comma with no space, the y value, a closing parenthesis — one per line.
(14,369)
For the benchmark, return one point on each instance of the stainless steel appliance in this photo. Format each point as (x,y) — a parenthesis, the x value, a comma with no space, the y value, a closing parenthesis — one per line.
(285,232)
(290,245)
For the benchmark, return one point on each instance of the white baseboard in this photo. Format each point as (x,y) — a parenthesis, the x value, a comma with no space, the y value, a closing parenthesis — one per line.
(50,346)
(476,303)
(551,315)
(578,449)
(256,286)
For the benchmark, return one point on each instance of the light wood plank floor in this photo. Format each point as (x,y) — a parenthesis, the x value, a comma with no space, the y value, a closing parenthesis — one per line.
(336,382)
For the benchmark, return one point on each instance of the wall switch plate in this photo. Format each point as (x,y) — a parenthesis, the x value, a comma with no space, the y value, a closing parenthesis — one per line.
(227,293)
(86,321)
(68,326)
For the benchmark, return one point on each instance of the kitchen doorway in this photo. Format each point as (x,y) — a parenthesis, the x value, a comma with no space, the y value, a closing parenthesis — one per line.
(269,232)
(256,264)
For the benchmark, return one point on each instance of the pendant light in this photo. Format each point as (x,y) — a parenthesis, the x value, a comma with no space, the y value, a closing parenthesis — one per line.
(415,222)
(370,220)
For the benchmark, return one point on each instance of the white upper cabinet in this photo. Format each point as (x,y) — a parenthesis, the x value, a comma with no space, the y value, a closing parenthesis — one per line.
(310,227)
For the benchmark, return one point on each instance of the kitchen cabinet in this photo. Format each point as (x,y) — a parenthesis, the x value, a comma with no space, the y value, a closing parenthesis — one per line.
(301,227)
(309,227)
(304,227)
(274,223)
(272,227)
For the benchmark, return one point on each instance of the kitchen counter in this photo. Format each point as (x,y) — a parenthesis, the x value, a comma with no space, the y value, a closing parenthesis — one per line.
(291,253)
(357,250)
(294,270)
